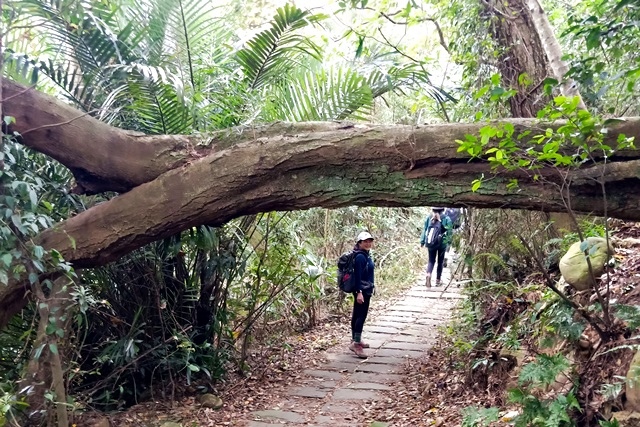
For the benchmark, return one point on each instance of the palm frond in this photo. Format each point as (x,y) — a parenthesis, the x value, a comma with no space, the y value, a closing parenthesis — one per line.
(82,31)
(100,62)
(65,75)
(271,53)
(20,68)
(338,94)
(149,99)
(411,76)
(182,32)
(79,42)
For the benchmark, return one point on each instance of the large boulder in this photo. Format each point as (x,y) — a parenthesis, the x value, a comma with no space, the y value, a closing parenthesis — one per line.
(573,265)
(208,400)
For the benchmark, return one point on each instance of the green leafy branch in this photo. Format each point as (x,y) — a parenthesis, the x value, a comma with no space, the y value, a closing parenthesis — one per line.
(23,214)
(579,140)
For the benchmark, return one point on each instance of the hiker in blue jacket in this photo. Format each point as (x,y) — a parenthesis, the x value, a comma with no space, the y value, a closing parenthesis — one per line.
(438,246)
(364,282)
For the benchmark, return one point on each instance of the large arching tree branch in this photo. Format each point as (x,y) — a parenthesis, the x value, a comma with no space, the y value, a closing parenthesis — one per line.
(104,158)
(317,170)
(173,186)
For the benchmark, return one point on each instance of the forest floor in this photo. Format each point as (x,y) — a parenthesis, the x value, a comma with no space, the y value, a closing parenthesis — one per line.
(318,381)
(410,379)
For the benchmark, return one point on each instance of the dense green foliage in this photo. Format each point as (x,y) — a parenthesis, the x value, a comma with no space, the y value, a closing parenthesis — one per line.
(503,317)
(603,59)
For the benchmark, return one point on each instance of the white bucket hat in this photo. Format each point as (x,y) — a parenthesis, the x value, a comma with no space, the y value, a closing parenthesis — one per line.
(363,236)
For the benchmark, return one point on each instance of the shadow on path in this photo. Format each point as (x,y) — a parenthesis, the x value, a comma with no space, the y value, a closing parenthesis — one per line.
(336,393)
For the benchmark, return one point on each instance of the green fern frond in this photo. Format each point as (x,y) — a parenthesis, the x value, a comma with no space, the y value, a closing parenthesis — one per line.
(179,31)
(20,68)
(630,314)
(79,30)
(544,370)
(273,52)
(79,42)
(65,75)
(473,416)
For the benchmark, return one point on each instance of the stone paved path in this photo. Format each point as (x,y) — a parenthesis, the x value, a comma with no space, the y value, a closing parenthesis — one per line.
(336,393)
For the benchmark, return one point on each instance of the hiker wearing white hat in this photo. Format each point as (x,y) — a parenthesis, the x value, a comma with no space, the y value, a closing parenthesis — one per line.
(364,288)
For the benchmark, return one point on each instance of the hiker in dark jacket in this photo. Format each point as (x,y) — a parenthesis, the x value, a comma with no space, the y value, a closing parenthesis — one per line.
(364,282)
(456,216)
(437,252)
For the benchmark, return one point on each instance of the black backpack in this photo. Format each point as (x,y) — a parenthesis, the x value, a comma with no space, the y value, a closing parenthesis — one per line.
(434,234)
(346,266)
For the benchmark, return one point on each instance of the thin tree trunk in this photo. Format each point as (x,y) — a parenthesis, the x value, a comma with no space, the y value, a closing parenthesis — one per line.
(553,51)
(45,370)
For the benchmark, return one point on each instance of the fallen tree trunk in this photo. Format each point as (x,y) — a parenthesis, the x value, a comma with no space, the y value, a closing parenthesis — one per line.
(290,167)
(293,173)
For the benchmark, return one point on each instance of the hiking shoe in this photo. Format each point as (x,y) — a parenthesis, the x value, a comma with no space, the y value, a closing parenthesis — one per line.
(356,347)
(427,282)
(438,282)
(362,343)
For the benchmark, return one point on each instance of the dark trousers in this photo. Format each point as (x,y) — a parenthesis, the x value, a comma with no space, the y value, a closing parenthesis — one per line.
(359,314)
(433,255)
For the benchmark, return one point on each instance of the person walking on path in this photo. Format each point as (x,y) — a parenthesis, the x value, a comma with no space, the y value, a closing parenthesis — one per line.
(456,216)
(364,289)
(436,236)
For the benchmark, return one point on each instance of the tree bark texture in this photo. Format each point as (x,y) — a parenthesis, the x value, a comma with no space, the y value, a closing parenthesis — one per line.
(522,54)
(104,158)
(177,182)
